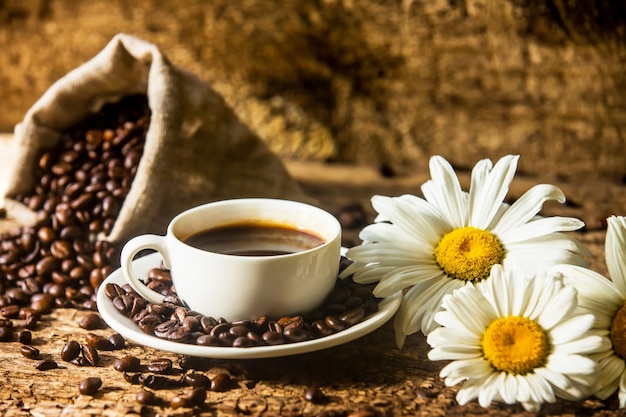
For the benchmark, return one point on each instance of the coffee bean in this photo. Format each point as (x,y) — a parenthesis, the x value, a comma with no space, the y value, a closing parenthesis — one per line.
(46,365)
(314,395)
(220,382)
(6,334)
(29,351)
(353,316)
(80,361)
(24,336)
(146,397)
(10,312)
(127,364)
(161,365)
(334,323)
(196,397)
(70,351)
(178,401)
(98,342)
(296,334)
(91,321)
(273,338)
(197,380)
(89,386)
(117,341)
(194,362)
(90,354)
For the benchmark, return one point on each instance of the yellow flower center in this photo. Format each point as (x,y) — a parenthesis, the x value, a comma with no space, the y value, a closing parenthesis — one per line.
(468,253)
(618,332)
(515,344)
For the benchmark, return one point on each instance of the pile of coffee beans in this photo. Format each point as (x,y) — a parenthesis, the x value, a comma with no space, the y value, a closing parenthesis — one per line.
(348,304)
(83,180)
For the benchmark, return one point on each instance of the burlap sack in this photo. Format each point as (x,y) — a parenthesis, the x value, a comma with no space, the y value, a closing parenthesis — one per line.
(196,149)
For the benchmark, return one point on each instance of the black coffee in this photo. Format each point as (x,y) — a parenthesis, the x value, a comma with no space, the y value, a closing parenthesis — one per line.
(254,239)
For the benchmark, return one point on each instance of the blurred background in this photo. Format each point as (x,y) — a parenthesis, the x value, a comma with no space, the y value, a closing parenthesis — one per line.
(385,83)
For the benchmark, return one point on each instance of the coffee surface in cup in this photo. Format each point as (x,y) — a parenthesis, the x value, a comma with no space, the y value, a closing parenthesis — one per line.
(254,239)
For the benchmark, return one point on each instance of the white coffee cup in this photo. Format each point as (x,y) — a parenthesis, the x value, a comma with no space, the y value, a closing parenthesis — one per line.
(244,287)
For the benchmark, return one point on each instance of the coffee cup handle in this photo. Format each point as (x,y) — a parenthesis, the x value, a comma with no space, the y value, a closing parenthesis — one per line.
(130,250)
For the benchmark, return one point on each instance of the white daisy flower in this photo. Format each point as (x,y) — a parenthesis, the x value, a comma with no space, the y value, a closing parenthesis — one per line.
(606,300)
(452,237)
(513,339)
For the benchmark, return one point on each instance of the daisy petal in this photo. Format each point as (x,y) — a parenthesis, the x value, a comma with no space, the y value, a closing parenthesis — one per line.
(527,206)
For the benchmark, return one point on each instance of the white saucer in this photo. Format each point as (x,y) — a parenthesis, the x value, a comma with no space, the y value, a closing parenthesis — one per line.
(127,328)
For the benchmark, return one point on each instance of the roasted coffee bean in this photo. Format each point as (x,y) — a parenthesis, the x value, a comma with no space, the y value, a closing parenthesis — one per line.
(112,290)
(197,380)
(6,323)
(220,382)
(178,401)
(238,331)
(123,303)
(208,340)
(29,351)
(91,321)
(70,351)
(243,341)
(146,397)
(158,382)
(194,362)
(89,386)
(148,323)
(334,323)
(91,354)
(42,303)
(117,341)
(160,366)
(46,365)
(219,329)
(296,334)
(314,395)
(98,342)
(6,334)
(353,316)
(196,397)
(133,377)
(127,364)
(226,338)
(10,312)
(24,336)
(80,361)
(273,338)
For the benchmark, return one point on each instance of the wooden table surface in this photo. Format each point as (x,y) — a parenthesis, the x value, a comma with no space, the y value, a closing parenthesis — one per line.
(366,376)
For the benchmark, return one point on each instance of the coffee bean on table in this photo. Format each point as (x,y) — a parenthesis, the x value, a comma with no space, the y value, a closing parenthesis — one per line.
(161,365)
(90,354)
(98,342)
(70,351)
(46,365)
(127,364)
(29,351)
(117,341)
(89,386)
(146,397)
(196,397)
(6,334)
(220,382)
(91,321)
(24,336)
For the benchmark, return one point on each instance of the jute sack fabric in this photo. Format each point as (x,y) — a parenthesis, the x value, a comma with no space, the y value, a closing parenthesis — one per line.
(196,150)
